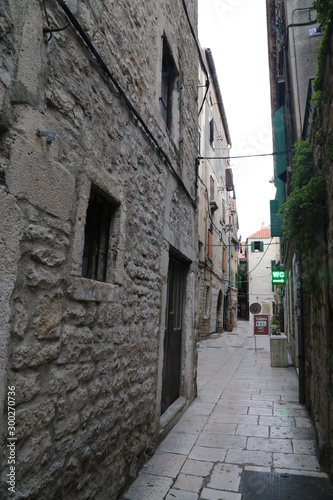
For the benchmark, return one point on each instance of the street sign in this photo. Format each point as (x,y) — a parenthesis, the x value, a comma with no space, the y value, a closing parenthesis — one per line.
(314,32)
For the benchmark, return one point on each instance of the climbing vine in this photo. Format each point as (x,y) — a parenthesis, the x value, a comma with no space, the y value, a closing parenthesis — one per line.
(304,209)
(325,16)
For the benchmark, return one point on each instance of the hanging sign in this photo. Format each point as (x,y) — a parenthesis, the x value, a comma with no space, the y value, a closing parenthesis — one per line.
(278,276)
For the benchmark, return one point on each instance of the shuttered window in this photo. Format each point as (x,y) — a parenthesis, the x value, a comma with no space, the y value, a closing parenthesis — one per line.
(257,246)
(210,245)
(212,188)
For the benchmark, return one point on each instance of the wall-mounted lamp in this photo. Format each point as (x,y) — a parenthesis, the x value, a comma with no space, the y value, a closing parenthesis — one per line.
(46,133)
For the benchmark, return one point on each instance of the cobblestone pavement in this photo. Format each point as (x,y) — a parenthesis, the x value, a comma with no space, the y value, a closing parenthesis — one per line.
(246,418)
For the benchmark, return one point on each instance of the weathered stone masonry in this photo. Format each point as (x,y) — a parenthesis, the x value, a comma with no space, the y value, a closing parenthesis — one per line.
(86,356)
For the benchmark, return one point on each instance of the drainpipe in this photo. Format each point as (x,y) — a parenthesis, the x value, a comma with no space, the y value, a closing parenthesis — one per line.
(299,305)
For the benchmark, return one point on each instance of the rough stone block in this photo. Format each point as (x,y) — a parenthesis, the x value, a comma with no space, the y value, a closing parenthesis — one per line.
(34,354)
(279,350)
(27,386)
(42,278)
(32,418)
(70,424)
(20,318)
(34,176)
(48,317)
(34,453)
(61,380)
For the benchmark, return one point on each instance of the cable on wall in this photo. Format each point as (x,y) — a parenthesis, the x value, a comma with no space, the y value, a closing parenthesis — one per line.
(49,29)
(199,53)
(126,100)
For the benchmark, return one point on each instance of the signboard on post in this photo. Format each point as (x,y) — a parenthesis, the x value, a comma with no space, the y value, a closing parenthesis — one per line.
(261,327)
(261,324)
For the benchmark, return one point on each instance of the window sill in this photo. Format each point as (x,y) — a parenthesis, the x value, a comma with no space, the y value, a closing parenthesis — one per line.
(87,290)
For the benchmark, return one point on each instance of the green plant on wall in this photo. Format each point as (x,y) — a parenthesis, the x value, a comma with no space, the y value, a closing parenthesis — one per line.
(325,16)
(304,208)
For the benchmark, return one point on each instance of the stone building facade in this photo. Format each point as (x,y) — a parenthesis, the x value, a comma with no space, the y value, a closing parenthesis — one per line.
(292,55)
(308,318)
(217,208)
(98,236)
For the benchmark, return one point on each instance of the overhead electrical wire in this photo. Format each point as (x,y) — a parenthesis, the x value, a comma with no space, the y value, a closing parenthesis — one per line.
(275,153)
(261,258)
(126,100)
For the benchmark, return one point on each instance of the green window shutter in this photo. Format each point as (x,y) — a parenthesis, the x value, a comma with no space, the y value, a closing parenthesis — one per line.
(261,246)
(252,246)
(276,221)
(281,143)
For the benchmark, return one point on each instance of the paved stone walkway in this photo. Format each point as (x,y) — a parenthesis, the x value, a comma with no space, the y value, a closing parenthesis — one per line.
(246,418)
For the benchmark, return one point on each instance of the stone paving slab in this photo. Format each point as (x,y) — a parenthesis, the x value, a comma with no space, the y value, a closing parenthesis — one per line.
(225,477)
(178,442)
(197,467)
(292,432)
(149,487)
(165,464)
(181,495)
(304,446)
(270,445)
(252,431)
(295,461)
(218,428)
(209,494)
(247,457)
(246,418)
(221,441)
(187,482)
(207,454)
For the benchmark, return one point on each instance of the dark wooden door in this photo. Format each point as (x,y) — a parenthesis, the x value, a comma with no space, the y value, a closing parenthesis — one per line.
(173,334)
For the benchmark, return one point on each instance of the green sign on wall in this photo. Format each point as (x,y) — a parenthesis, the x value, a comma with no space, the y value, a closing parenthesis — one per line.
(278,276)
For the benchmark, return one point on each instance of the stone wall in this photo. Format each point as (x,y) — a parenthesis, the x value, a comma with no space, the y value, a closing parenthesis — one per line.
(85,356)
(318,318)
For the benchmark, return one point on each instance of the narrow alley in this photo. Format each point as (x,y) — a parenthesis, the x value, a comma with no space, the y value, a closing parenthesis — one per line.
(244,437)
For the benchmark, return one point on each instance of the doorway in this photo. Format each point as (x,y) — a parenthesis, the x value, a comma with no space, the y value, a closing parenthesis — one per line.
(219,314)
(173,334)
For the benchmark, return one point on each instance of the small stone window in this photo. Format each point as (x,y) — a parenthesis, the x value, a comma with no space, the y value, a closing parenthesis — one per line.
(224,260)
(207,301)
(100,214)
(211,132)
(169,77)
(210,244)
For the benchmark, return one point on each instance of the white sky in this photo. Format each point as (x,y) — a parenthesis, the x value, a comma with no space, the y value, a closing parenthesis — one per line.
(236,32)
